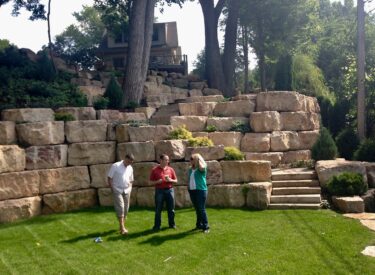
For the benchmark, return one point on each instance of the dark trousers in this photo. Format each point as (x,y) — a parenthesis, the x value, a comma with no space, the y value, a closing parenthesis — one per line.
(198,198)
(162,195)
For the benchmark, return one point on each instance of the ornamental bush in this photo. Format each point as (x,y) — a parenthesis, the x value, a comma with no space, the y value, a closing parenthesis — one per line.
(114,94)
(180,133)
(347,142)
(324,147)
(347,184)
(366,151)
(63,116)
(232,153)
(200,141)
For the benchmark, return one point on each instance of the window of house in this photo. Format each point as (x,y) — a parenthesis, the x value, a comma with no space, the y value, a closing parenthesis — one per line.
(155,34)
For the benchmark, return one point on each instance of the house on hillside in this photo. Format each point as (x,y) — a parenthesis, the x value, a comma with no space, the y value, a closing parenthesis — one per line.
(165,52)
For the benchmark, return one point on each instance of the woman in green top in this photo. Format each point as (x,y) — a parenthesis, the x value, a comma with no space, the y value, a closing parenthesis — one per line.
(197,186)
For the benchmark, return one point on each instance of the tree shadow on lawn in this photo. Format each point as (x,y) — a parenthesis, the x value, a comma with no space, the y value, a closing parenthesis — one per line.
(302,225)
(89,236)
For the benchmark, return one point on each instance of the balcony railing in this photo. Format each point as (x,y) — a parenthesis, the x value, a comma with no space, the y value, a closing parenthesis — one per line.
(176,63)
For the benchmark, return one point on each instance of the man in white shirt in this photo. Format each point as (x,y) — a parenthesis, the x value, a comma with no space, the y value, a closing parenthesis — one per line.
(120,179)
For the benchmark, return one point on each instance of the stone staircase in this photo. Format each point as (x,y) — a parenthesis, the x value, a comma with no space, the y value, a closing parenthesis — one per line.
(296,188)
(164,113)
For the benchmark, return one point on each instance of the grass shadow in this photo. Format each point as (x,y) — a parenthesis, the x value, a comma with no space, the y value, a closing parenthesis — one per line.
(89,236)
(159,240)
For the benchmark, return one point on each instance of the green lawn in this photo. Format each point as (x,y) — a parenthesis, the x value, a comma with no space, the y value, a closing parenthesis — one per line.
(240,242)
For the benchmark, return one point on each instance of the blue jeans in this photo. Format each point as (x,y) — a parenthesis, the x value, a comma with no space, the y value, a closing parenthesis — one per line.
(162,195)
(198,198)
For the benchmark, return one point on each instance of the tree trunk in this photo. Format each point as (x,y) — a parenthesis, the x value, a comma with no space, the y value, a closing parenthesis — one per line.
(139,45)
(245,47)
(49,37)
(230,44)
(361,97)
(214,68)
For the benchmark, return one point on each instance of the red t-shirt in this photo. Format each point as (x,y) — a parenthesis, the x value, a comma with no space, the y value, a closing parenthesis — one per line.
(160,173)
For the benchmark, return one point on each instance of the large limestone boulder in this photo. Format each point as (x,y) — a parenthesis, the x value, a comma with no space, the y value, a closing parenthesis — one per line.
(283,101)
(182,198)
(98,175)
(349,204)
(142,151)
(226,123)
(18,185)
(284,141)
(246,171)
(110,116)
(134,117)
(68,201)
(46,157)
(88,153)
(214,172)
(148,111)
(198,85)
(307,139)
(226,138)
(209,98)
(273,157)
(181,169)
(239,108)
(299,121)
(41,133)
(122,133)
(146,197)
(196,108)
(147,133)
(228,195)
(208,153)
(12,210)
(106,197)
(8,132)
(142,172)
(369,200)
(211,91)
(192,123)
(27,115)
(64,179)
(111,131)
(79,113)
(251,97)
(256,142)
(370,169)
(12,158)
(175,149)
(328,168)
(267,121)
(156,101)
(195,92)
(86,131)
(295,156)
(92,93)
(259,195)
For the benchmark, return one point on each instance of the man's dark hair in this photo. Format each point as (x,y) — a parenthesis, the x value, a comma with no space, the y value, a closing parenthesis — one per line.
(162,156)
(130,157)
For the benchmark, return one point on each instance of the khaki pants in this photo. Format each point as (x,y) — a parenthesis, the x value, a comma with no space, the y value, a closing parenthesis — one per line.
(121,202)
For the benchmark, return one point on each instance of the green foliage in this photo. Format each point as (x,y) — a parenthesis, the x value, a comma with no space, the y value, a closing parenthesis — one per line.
(200,65)
(4,43)
(324,147)
(200,141)
(366,151)
(101,103)
(46,71)
(211,128)
(137,123)
(347,184)
(114,94)
(303,164)
(61,116)
(132,105)
(283,77)
(347,142)
(232,153)
(240,126)
(180,133)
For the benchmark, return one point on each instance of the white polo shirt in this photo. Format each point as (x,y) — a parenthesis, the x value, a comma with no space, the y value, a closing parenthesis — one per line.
(121,177)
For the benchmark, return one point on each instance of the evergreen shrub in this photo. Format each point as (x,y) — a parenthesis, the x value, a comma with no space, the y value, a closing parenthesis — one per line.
(240,126)
(347,142)
(200,141)
(63,116)
(324,147)
(233,153)
(114,94)
(346,184)
(180,133)
(101,103)
(211,128)
(366,151)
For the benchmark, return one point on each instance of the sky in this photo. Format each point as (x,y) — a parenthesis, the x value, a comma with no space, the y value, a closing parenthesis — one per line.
(33,34)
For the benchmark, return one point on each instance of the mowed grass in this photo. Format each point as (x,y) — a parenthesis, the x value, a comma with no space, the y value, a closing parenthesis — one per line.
(240,242)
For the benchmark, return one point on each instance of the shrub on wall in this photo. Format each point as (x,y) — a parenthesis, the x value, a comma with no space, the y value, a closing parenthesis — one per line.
(232,153)
(347,184)
(200,141)
(101,103)
(347,142)
(366,151)
(324,147)
(63,117)
(114,94)
(180,133)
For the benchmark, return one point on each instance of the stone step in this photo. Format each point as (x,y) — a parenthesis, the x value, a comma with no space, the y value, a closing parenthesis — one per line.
(294,206)
(295,190)
(313,198)
(163,114)
(295,183)
(293,174)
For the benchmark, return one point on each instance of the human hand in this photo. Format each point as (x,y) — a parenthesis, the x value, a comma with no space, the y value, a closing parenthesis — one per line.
(167,178)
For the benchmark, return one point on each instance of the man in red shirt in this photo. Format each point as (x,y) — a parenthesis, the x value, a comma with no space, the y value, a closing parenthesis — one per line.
(163,177)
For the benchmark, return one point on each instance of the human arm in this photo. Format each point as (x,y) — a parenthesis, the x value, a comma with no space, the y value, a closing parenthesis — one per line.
(201,164)
(109,182)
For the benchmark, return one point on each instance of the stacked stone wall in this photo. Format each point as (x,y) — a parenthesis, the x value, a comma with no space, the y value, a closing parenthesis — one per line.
(51,166)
